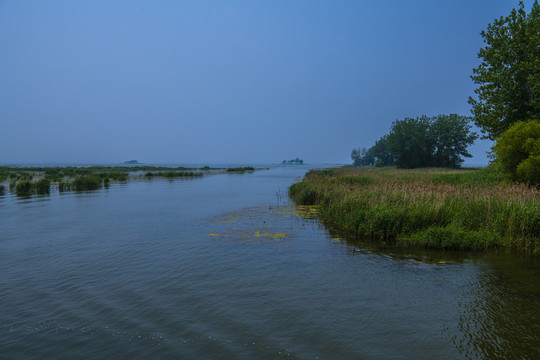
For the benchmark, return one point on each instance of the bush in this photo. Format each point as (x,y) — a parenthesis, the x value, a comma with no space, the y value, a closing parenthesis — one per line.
(517,152)
(86,183)
(23,188)
(42,186)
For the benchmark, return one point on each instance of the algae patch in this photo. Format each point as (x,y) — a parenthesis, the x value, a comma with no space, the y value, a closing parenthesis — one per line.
(260,224)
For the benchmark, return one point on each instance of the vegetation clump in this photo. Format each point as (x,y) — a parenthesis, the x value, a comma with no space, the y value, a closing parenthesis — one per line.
(518,152)
(174,174)
(86,182)
(23,188)
(434,208)
(296,161)
(241,169)
(42,186)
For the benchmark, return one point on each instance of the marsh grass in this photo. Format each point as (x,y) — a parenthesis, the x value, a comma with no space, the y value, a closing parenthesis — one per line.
(174,174)
(42,186)
(434,208)
(86,182)
(24,188)
(241,169)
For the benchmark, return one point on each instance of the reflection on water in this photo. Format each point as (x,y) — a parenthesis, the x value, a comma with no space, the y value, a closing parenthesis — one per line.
(499,318)
(221,267)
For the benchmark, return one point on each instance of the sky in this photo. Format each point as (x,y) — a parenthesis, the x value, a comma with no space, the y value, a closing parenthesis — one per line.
(229,81)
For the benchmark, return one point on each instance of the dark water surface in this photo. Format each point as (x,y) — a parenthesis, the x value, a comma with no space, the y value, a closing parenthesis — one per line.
(224,267)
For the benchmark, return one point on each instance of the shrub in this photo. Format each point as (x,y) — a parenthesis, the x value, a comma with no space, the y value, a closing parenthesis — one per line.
(90,182)
(23,188)
(517,152)
(42,186)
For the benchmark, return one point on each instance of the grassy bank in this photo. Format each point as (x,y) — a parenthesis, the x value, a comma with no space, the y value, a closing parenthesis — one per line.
(434,208)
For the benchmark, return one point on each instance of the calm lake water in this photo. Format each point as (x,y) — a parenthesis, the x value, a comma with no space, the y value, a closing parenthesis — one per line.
(224,267)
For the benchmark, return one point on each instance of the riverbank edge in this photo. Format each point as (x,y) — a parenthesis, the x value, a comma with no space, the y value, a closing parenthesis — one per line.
(469,209)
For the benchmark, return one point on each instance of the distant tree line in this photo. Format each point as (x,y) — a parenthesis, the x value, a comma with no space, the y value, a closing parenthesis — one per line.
(439,141)
(296,161)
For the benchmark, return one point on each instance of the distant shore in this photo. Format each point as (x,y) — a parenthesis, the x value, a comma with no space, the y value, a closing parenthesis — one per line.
(30,180)
(467,209)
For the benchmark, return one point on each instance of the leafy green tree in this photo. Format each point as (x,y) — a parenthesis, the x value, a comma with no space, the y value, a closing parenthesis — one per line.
(509,75)
(451,135)
(439,141)
(410,143)
(518,152)
(362,157)
(380,151)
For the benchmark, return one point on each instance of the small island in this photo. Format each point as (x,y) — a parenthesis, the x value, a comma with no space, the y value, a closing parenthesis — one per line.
(296,161)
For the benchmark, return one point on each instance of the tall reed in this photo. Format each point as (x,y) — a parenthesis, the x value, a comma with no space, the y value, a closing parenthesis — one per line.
(451,209)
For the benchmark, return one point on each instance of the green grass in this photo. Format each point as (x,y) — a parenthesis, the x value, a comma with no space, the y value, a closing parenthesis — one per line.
(433,208)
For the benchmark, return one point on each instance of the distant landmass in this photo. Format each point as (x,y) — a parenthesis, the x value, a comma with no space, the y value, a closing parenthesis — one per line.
(296,161)
(131,162)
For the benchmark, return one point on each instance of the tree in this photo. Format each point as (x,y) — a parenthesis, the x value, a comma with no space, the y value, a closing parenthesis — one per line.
(410,143)
(439,141)
(380,151)
(509,75)
(451,136)
(518,152)
(362,157)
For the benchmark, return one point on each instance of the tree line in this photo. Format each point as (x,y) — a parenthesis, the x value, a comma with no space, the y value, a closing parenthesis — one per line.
(438,141)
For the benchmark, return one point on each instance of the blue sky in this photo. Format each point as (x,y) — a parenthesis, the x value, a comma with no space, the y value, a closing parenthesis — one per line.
(229,81)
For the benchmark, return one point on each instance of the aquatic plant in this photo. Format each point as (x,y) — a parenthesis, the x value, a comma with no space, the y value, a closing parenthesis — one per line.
(2,189)
(86,182)
(23,188)
(451,209)
(64,186)
(42,186)
(176,174)
(113,175)
(241,169)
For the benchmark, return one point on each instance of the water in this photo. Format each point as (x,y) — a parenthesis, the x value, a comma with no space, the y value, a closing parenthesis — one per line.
(224,267)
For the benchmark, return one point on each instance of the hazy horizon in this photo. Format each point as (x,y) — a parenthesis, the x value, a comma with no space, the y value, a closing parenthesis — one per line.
(229,81)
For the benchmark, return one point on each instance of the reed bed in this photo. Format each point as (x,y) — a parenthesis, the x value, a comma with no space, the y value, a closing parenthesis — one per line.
(434,208)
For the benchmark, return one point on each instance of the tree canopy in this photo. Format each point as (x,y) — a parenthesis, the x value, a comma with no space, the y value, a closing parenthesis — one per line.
(377,155)
(451,135)
(439,141)
(509,75)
